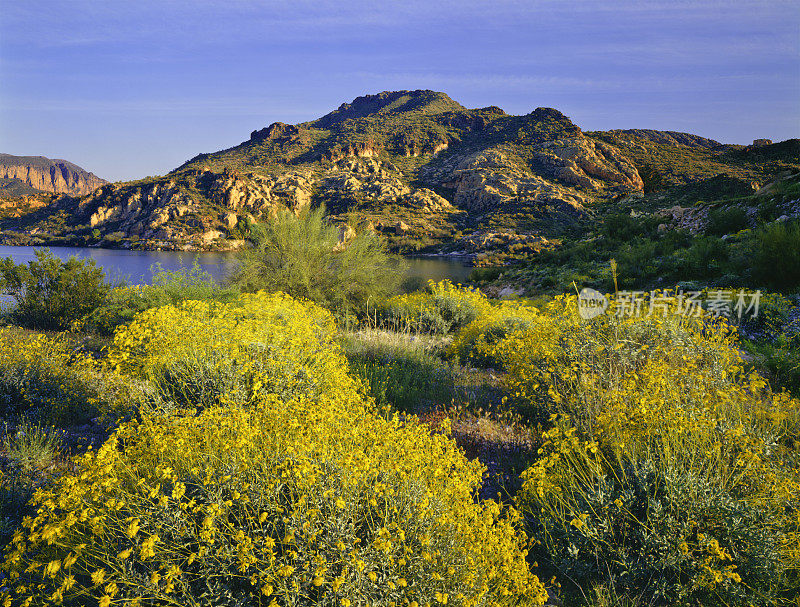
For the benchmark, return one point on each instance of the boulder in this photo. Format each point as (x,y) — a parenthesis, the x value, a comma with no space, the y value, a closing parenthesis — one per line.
(209,236)
(231,220)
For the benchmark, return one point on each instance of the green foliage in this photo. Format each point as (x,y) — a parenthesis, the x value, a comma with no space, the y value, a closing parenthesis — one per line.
(123,303)
(777,255)
(302,256)
(726,221)
(620,226)
(50,293)
(399,371)
(485,274)
(779,360)
(706,256)
(636,261)
(32,447)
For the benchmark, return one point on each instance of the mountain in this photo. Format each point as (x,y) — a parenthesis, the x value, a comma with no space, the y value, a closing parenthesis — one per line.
(417,166)
(46,175)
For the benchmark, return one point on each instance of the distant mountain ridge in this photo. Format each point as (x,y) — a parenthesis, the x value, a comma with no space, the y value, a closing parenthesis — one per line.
(416,166)
(55,176)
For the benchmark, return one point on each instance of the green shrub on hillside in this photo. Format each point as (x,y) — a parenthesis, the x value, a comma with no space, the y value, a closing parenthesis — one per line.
(779,361)
(726,221)
(777,255)
(706,257)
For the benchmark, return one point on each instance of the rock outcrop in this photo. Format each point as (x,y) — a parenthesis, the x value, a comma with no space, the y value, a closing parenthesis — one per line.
(56,176)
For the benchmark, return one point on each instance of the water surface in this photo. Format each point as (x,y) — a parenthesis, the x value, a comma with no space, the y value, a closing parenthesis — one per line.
(136,267)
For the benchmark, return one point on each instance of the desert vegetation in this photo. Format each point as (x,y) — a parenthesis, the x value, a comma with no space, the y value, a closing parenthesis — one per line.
(282,440)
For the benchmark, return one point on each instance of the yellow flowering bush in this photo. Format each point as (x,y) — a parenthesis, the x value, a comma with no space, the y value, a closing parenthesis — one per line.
(477,341)
(199,351)
(302,501)
(443,307)
(668,468)
(46,378)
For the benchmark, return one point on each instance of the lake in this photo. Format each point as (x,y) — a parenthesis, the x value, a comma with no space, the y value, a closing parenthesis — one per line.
(135,267)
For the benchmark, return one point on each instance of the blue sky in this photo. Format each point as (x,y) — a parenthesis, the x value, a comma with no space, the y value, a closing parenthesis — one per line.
(130,89)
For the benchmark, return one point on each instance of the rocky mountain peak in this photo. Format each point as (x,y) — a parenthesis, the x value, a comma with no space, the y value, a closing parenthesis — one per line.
(276,130)
(390,102)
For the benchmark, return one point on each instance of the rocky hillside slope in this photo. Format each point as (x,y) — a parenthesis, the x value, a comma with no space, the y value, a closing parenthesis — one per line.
(55,176)
(417,166)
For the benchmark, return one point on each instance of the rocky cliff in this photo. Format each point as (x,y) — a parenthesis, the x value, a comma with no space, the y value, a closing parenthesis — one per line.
(429,173)
(56,176)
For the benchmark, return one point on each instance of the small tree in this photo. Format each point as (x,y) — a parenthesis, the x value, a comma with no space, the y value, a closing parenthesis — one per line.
(304,257)
(49,293)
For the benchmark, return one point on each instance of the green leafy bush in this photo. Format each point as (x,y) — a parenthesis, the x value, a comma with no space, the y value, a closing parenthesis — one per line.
(779,360)
(637,261)
(777,255)
(303,256)
(726,221)
(51,294)
(706,257)
(621,227)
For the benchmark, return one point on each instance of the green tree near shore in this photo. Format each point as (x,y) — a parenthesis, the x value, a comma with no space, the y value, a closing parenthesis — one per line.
(307,256)
(49,293)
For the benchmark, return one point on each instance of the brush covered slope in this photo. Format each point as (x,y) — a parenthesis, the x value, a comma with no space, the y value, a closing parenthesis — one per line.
(416,166)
